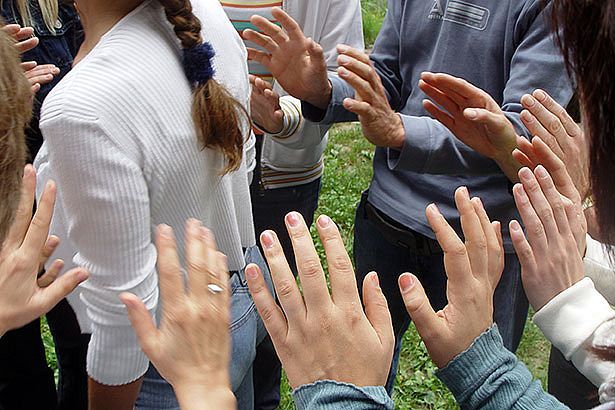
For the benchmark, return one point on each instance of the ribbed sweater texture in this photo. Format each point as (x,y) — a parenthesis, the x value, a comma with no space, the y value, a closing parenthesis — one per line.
(121,145)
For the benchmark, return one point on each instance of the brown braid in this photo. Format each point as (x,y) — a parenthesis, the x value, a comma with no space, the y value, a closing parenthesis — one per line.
(217,115)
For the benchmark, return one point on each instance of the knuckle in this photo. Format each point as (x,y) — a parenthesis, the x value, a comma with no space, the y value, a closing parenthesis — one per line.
(537,230)
(340,263)
(459,250)
(554,126)
(285,288)
(545,214)
(311,267)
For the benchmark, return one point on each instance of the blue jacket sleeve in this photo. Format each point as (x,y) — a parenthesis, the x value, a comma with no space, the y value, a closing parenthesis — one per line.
(330,395)
(487,376)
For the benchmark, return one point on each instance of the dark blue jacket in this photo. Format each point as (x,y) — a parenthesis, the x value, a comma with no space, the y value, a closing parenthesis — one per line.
(57,48)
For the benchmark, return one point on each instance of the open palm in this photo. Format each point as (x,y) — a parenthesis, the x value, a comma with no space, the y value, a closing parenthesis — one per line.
(297,62)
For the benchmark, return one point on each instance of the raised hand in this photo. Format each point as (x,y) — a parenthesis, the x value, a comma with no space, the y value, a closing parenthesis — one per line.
(473,116)
(548,120)
(381,125)
(548,253)
(39,75)
(538,152)
(265,106)
(191,349)
(297,62)
(22,298)
(23,36)
(323,335)
(473,270)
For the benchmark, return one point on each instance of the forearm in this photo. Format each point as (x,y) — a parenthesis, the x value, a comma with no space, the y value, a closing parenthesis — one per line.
(201,397)
(430,147)
(102,397)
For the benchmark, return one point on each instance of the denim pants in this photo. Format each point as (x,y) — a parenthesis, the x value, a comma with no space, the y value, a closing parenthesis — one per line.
(247,332)
(373,252)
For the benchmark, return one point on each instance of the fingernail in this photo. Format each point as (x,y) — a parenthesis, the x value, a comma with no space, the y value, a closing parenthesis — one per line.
(267,239)
(542,172)
(165,231)
(342,72)
(53,241)
(293,219)
(540,95)
(324,221)
(375,279)
(343,59)
(342,48)
(83,275)
(529,101)
(471,113)
(525,174)
(204,232)
(251,272)
(406,282)
(515,226)
(465,192)
(434,208)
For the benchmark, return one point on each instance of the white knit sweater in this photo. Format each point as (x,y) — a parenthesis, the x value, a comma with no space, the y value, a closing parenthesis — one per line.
(121,145)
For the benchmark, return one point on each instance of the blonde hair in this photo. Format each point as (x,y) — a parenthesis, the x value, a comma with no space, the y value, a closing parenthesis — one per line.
(49,8)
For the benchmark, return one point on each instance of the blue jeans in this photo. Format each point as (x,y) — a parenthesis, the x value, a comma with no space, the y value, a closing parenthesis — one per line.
(247,332)
(373,252)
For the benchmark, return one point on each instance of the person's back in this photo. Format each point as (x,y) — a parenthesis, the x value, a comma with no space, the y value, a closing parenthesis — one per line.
(121,143)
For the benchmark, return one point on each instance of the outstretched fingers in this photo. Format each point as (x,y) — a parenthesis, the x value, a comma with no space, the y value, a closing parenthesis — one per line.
(377,310)
(341,272)
(268,309)
(143,324)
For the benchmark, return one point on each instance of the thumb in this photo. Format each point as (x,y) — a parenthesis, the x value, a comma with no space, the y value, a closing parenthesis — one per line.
(142,322)
(62,287)
(418,306)
(315,50)
(493,122)
(377,310)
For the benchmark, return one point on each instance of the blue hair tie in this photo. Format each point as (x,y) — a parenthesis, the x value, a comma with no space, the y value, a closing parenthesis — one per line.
(198,63)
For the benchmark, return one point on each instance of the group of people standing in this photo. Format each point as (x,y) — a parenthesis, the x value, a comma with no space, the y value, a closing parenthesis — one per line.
(151,113)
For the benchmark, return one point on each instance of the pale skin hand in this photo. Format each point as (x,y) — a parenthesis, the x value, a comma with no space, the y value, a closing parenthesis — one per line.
(322,335)
(23,36)
(265,106)
(381,125)
(22,298)
(549,257)
(473,270)
(40,74)
(473,116)
(548,120)
(191,349)
(538,152)
(297,62)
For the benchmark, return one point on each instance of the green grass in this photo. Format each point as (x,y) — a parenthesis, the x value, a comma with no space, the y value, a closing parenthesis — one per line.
(348,172)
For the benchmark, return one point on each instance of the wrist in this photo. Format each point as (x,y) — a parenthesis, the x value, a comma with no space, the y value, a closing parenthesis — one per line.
(509,165)
(322,99)
(398,134)
(202,396)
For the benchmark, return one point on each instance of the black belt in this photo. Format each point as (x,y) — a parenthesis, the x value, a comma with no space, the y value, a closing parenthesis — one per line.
(399,235)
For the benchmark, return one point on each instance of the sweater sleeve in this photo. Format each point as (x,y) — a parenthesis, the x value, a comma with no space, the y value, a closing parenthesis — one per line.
(487,376)
(431,148)
(342,25)
(572,321)
(599,268)
(330,395)
(106,201)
